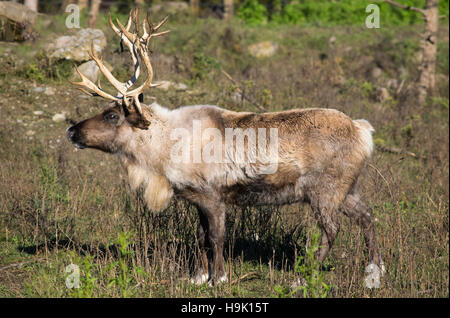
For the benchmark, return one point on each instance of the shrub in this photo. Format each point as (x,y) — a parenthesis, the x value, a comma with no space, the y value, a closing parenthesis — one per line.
(324,12)
(252,12)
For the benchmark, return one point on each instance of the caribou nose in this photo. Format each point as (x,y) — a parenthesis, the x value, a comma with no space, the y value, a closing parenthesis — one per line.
(70,132)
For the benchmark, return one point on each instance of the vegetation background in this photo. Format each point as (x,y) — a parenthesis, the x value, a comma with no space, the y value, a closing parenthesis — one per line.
(61,206)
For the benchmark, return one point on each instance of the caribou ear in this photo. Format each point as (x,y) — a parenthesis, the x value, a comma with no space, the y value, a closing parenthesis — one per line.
(141,121)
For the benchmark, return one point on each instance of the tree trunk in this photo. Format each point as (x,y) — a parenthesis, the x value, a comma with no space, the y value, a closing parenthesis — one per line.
(64,5)
(228,9)
(429,50)
(93,12)
(139,3)
(427,67)
(83,4)
(195,7)
(32,5)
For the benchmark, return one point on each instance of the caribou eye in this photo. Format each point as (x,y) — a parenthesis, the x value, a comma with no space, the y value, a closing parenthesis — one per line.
(111,117)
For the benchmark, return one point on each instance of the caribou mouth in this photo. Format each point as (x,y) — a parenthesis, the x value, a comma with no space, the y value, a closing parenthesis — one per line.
(78,145)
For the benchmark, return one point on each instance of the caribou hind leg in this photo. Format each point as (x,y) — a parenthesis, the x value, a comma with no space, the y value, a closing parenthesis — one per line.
(325,211)
(357,210)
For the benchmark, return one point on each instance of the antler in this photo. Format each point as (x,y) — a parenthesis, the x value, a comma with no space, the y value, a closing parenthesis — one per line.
(138,47)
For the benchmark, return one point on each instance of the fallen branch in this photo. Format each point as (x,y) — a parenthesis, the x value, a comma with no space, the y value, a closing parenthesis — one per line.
(241,91)
(399,5)
(397,151)
(243,277)
(21,263)
(399,89)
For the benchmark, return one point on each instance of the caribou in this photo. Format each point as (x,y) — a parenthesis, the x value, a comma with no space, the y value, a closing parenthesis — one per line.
(313,155)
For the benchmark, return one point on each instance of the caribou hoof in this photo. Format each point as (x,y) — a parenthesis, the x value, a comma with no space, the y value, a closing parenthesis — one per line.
(199,279)
(218,280)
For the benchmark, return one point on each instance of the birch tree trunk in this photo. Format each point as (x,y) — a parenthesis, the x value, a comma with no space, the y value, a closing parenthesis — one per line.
(83,4)
(93,12)
(195,7)
(64,4)
(429,50)
(427,68)
(139,3)
(228,9)
(32,5)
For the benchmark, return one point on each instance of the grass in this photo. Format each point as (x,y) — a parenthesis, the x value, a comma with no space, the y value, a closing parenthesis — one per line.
(60,206)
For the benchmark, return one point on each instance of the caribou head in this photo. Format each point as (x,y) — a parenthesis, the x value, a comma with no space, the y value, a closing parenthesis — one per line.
(125,112)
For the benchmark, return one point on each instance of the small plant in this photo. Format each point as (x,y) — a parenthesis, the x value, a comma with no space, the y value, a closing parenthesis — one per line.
(124,275)
(407,130)
(367,89)
(266,97)
(124,279)
(88,282)
(440,102)
(33,72)
(310,269)
(203,65)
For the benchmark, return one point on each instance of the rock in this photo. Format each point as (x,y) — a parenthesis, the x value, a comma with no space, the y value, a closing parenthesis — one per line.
(38,112)
(46,90)
(403,73)
(236,97)
(263,49)
(297,283)
(16,21)
(181,87)
(60,117)
(392,84)
(169,7)
(30,132)
(76,47)
(89,69)
(331,40)
(17,12)
(382,94)
(49,91)
(376,72)
(417,57)
(348,49)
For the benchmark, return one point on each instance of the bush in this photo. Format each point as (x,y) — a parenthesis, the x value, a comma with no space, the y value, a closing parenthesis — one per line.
(252,12)
(324,12)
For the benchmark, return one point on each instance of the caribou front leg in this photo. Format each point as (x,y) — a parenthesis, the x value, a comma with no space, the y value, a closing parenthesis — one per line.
(212,236)
(202,273)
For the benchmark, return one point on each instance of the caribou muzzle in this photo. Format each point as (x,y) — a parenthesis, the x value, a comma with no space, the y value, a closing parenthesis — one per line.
(75,136)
